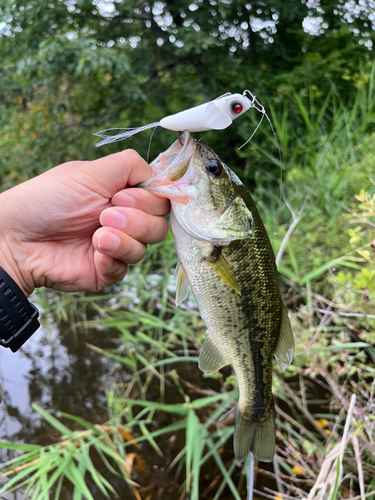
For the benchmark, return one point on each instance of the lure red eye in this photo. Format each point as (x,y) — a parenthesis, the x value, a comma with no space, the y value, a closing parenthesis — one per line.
(237,107)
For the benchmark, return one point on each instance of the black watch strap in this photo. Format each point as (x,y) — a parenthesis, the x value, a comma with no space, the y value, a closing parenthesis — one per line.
(18,317)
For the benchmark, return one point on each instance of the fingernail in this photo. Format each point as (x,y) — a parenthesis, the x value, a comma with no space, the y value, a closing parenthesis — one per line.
(108,242)
(123,200)
(113,218)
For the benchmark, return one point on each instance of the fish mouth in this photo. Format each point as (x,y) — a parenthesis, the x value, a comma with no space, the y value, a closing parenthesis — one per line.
(171,165)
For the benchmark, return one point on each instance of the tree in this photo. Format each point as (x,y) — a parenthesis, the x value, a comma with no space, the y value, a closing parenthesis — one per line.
(73,67)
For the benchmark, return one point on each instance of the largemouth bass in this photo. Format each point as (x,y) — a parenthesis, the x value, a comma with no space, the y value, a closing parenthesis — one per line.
(226,258)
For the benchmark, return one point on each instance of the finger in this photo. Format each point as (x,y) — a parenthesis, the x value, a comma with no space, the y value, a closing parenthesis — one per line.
(115,172)
(136,223)
(127,165)
(143,200)
(109,270)
(118,245)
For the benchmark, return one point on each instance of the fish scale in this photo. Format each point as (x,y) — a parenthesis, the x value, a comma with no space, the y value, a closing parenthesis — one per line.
(226,258)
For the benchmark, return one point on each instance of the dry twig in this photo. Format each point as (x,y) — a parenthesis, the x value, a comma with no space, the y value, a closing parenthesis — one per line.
(296,219)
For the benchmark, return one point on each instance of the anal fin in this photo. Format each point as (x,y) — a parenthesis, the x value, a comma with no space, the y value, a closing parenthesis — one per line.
(182,284)
(210,358)
(285,347)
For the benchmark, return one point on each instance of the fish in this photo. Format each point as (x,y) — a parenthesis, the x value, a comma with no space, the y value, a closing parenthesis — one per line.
(225,257)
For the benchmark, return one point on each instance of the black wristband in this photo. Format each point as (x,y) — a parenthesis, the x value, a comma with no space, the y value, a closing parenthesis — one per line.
(18,317)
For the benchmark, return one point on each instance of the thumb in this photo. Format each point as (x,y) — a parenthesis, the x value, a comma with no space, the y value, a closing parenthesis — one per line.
(119,170)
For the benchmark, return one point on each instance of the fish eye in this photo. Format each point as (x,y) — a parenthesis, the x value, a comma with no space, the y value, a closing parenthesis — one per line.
(214,167)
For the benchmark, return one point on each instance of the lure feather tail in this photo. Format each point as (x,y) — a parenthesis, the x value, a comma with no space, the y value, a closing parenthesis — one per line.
(108,139)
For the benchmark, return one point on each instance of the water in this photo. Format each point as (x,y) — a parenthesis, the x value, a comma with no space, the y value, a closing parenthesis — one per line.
(55,371)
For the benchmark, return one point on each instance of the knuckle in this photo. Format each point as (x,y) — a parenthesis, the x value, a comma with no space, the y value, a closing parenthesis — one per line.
(136,252)
(151,228)
(132,156)
(117,274)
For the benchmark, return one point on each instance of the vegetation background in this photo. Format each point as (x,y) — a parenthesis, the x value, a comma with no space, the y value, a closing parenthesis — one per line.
(73,67)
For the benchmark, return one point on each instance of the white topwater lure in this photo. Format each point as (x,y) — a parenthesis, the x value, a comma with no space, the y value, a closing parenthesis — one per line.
(213,115)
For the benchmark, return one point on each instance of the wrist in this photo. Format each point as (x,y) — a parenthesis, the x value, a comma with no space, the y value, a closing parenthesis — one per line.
(19,318)
(13,250)
(10,266)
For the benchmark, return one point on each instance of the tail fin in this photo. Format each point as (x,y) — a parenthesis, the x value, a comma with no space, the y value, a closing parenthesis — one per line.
(256,437)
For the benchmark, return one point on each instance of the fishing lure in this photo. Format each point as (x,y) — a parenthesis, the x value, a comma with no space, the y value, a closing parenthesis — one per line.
(213,115)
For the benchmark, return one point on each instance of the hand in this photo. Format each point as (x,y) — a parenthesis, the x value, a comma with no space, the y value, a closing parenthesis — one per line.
(50,232)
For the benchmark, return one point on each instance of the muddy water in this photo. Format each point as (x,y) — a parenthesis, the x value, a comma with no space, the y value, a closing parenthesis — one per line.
(55,371)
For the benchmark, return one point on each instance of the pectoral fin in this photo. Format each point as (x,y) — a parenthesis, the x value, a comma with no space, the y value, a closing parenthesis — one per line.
(285,347)
(210,358)
(223,269)
(182,284)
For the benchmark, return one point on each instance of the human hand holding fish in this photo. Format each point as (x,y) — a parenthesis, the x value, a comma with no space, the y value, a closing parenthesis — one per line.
(59,237)
(76,227)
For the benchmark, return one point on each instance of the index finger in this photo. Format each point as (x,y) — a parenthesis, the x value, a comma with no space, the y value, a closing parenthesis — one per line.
(142,200)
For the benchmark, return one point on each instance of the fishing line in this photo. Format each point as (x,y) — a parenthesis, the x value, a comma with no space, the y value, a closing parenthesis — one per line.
(149,143)
(260,108)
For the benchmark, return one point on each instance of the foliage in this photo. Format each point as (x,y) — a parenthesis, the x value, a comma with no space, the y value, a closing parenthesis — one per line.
(73,68)
(356,290)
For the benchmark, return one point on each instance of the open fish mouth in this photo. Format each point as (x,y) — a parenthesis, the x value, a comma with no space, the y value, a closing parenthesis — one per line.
(172,164)
(203,204)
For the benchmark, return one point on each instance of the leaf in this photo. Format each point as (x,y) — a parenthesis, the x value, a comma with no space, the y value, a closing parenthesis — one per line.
(53,421)
(150,439)
(120,359)
(128,437)
(224,471)
(20,446)
(80,421)
(316,273)
(337,347)
(100,481)
(304,112)
(75,477)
